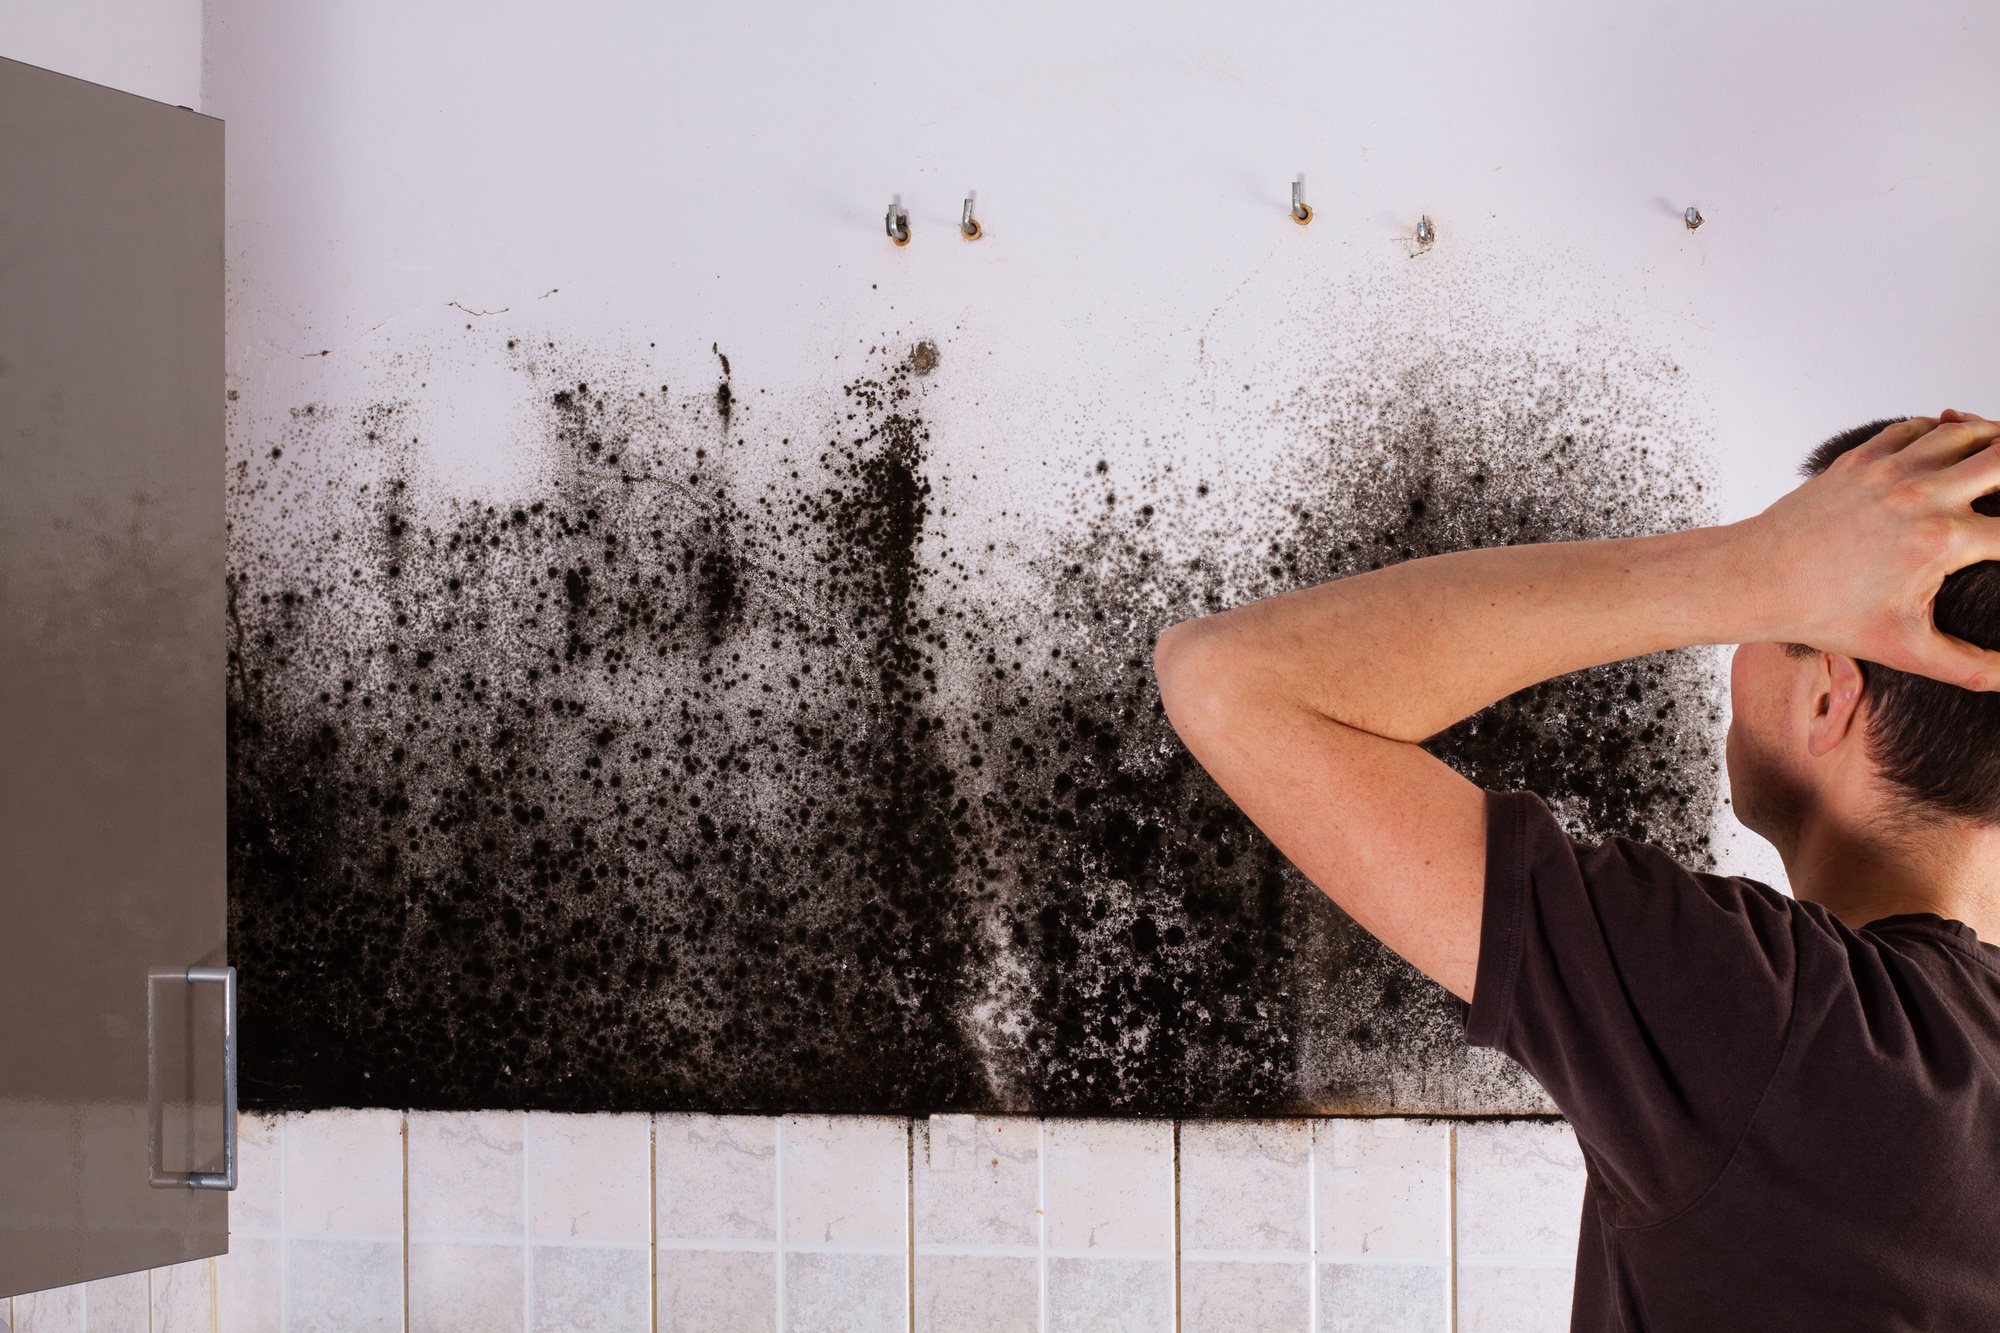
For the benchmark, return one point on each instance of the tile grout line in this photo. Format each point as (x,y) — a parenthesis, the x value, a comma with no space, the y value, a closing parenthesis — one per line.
(653,1222)
(527,1222)
(554,1242)
(1041,1225)
(1312,1226)
(214,1298)
(910,1217)
(284,1224)
(406,1222)
(380,1237)
(1451,1230)
(149,1301)
(978,1250)
(1177,1226)
(778,1216)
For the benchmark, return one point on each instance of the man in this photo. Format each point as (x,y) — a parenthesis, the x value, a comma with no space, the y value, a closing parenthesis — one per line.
(1790,1109)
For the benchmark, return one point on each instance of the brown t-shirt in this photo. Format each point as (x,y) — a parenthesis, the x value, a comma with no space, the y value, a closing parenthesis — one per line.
(1788,1124)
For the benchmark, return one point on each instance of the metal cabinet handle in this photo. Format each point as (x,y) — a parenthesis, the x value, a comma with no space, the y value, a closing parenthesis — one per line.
(225,1179)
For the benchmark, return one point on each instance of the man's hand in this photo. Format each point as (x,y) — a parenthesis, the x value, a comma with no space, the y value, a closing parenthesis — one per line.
(1859,552)
(1306,708)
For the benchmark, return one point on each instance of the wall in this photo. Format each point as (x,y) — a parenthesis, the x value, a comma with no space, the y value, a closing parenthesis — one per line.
(594,454)
(149,47)
(503,1220)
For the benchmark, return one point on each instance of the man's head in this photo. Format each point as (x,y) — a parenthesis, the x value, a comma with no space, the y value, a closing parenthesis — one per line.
(1816,732)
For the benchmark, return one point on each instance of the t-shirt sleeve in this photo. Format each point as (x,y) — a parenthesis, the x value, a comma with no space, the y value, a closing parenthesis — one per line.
(1651,1001)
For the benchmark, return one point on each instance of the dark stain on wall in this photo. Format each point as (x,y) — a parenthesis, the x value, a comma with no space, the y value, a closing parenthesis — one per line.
(728,772)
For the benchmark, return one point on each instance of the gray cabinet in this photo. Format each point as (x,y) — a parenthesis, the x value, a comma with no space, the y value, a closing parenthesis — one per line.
(112,1097)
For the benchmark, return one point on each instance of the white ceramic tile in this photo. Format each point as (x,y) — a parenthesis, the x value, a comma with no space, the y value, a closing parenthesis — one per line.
(466,1174)
(591,1290)
(1110,1184)
(1384,1188)
(121,1304)
(1244,1297)
(1520,1190)
(57,1310)
(254,1204)
(249,1286)
(590,1176)
(343,1286)
(963,1294)
(718,1291)
(344,1173)
(1110,1295)
(716,1177)
(976,1181)
(845,1293)
(1244,1185)
(182,1298)
(845,1178)
(467,1288)
(1513,1300)
(1383,1298)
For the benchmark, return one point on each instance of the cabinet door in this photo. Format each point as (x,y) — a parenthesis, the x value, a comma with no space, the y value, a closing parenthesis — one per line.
(111,681)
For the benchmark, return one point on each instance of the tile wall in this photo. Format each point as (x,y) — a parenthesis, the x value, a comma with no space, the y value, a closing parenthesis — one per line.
(511,1222)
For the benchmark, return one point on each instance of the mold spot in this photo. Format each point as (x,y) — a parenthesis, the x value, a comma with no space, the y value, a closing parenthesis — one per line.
(741,781)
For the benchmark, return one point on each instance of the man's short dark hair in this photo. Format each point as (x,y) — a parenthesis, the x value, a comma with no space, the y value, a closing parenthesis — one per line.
(1937,744)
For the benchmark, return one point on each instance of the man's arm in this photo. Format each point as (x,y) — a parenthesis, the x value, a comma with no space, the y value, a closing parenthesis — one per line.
(1307,708)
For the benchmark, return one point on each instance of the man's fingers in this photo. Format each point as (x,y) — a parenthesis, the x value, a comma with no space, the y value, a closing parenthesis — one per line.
(1976,474)
(1952,441)
(1893,438)
(1985,540)
(1959,663)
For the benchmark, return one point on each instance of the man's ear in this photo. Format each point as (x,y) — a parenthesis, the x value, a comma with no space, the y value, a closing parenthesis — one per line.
(1834,703)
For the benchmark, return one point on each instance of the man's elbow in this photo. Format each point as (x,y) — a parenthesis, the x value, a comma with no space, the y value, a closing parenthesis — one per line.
(1171,652)
(1172,646)
(1192,670)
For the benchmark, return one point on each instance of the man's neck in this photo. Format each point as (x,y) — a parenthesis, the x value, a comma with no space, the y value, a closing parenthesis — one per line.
(1862,874)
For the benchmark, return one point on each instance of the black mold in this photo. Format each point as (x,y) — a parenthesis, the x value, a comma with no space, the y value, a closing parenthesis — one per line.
(723,781)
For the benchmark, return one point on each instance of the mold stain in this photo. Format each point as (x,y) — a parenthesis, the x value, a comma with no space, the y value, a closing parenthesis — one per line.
(719,777)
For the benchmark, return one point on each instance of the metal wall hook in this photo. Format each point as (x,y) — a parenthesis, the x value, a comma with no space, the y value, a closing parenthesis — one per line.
(968,226)
(1426,233)
(898,221)
(1301,212)
(1692,217)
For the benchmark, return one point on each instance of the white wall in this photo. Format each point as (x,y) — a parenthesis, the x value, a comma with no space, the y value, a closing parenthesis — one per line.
(649,181)
(148,47)
(722,173)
